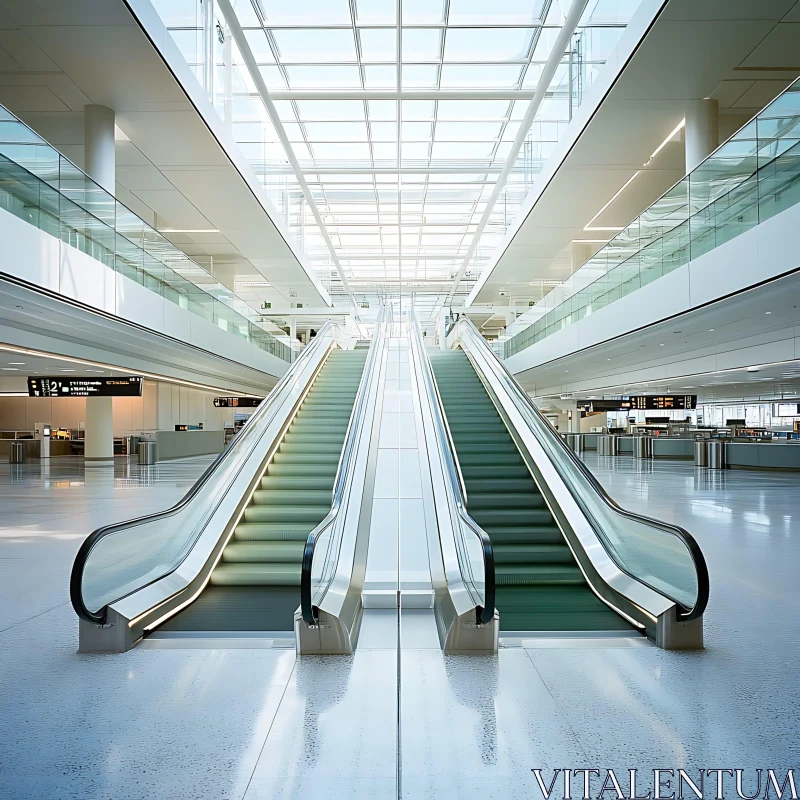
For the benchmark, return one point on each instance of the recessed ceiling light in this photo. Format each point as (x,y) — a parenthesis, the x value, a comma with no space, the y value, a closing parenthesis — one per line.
(662,344)
(753,369)
(608,359)
(566,370)
(10,369)
(67,370)
(710,330)
(767,312)
(16,363)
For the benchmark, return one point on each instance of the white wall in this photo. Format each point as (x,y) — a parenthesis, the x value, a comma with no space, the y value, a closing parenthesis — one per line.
(44,261)
(762,253)
(161,406)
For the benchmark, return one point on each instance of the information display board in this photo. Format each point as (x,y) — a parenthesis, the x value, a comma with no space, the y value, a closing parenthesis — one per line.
(237,402)
(85,387)
(664,402)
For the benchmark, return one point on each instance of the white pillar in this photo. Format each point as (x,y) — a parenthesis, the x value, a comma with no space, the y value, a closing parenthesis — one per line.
(702,131)
(100,158)
(99,446)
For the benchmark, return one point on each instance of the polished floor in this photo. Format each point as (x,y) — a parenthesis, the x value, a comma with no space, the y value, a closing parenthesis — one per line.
(185,722)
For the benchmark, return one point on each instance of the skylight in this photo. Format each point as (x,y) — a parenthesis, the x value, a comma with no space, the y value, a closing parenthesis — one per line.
(467,74)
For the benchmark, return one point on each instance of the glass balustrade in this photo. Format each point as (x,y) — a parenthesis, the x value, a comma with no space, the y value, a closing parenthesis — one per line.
(40,186)
(749,179)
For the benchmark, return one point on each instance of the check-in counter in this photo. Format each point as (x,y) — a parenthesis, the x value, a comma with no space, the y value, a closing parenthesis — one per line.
(664,447)
(31,448)
(625,445)
(752,455)
(590,441)
(183,444)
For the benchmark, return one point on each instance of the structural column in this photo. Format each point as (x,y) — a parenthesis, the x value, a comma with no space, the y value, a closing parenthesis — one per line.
(292,336)
(100,157)
(702,131)
(99,448)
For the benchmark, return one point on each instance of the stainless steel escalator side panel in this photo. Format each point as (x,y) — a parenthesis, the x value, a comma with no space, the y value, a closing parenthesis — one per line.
(648,609)
(337,598)
(454,600)
(145,608)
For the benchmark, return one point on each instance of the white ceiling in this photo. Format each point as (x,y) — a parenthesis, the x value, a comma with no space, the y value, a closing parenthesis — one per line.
(56,57)
(705,352)
(740,52)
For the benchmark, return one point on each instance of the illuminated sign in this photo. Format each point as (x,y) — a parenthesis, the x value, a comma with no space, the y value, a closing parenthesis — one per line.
(85,387)
(237,402)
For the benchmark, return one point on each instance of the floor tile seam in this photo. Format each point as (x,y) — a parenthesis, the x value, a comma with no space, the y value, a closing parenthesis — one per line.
(269,730)
(35,616)
(557,705)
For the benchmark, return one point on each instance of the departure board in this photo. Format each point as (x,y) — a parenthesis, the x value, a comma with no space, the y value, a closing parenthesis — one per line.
(85,387)
(665,402)
(237,402)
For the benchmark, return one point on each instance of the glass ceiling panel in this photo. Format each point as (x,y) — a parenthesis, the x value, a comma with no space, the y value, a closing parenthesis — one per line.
(488,45)
(468,71)
(307,12)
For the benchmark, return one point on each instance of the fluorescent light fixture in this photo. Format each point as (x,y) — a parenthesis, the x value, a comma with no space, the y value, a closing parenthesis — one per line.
(66,370)
(711,330)
(666,141)
(16,363)
(617,228)
(10,369)
(619,192)
(253,284)
(188,230)
(753,369)
(590,241)
(767,312)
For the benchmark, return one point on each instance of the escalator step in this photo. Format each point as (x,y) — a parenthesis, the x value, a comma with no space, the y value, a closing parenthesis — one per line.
(511,516)
(313,483)
(505,500)
(532,574)
(489,485)
(258,552)
(270,532)
(289,497)
(547,533)
(529,553)
(256,575)
(305,514)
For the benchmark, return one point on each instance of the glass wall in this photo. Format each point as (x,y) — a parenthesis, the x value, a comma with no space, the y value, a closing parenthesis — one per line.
(40,186)
(752,177)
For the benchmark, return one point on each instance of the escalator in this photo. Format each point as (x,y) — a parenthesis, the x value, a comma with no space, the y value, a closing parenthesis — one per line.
(256,584)
(272,537)
(539,585)
(528,542)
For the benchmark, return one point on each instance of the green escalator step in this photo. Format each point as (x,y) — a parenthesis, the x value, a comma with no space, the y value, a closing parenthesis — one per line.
(297,457)
(528,553)
(313,483)
(263,551)
(290,497)
(270,532)
(256,575)
(491,485)
(547,533)
(287,468)
(505,500)
(510,516)
(310,514)
(323,449)
(531,574)
(539,585)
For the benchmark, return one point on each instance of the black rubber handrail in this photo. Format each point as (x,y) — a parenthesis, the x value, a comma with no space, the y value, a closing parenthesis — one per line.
(701,568)
(484,613)
(310,612)
(79,565)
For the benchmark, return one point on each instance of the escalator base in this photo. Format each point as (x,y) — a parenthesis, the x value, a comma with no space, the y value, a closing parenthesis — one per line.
(238,608)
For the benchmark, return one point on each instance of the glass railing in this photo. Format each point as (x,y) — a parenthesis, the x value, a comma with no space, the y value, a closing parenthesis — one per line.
(749,179)
(661,555)
(40,186)
(122,558)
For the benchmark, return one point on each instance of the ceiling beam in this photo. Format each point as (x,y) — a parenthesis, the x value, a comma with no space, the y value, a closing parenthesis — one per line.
(404,94)
(554,59)
(255,74)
